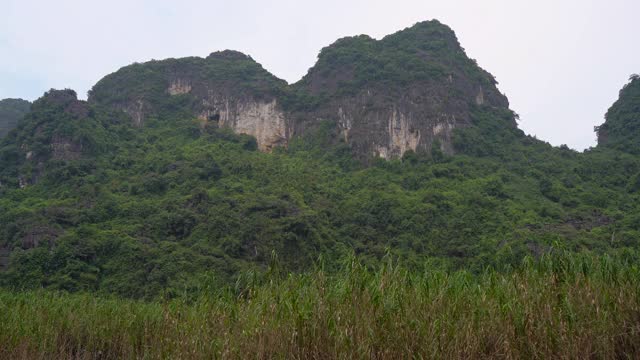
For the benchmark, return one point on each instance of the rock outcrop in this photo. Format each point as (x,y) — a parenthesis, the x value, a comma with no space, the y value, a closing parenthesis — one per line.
(260,119)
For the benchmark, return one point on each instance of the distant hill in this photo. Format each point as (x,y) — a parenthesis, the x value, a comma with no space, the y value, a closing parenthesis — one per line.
(12,111)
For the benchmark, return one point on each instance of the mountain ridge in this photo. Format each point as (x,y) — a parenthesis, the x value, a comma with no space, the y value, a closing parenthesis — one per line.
(420,79)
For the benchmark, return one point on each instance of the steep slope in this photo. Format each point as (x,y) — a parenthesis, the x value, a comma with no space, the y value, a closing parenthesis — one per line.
(621,129)
(11,112)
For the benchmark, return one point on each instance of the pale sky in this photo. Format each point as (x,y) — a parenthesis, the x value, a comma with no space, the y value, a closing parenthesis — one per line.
(560,62)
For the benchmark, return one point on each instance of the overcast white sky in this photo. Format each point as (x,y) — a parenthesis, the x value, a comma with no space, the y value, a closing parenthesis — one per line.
(560,62)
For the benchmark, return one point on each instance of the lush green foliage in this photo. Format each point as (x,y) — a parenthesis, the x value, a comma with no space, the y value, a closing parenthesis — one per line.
(511,248)
(229,70)
(622,128)
(12,111)
(55,118)
(89,202)
(428,51)
(152,211)
(559,307)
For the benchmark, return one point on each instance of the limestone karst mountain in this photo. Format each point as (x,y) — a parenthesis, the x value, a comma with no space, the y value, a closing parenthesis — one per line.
(404,92)
(407,91)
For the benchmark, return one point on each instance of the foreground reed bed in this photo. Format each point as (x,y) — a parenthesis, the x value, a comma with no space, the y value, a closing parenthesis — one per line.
(570,307)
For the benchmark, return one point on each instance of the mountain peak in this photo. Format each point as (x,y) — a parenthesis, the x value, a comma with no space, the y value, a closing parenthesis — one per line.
(426,30)
(229,55)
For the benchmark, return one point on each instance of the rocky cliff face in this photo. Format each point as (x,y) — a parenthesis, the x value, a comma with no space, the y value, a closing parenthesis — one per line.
(262,119)
(408,91)
(376,122)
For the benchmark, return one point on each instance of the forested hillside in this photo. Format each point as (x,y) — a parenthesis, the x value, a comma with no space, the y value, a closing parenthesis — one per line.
(161,184)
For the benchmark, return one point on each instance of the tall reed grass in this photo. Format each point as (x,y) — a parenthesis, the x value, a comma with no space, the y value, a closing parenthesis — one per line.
(576,307)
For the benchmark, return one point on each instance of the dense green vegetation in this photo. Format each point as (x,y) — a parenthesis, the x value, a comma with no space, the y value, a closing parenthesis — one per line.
(621,129)
(231,70)
(11,111)
(179,239)
(160,210)
(428,51)
(576,307)
(90,202)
